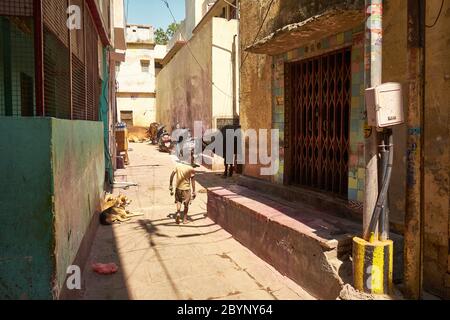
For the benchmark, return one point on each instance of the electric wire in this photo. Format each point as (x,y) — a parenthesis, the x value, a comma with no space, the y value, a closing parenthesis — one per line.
(259,31)
(192,54)
(437,18)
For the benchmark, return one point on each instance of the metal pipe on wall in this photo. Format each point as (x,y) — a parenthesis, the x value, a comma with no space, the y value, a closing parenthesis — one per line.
(415,122)
(373,77)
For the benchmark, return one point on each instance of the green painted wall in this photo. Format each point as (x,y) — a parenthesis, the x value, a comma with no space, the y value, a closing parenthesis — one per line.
(26,241)
(52,175)
(78,174)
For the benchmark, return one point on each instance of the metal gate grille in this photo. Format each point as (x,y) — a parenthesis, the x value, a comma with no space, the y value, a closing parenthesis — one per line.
(320,90)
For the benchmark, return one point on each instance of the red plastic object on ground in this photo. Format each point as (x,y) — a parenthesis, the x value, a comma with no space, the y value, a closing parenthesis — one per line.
(105,269)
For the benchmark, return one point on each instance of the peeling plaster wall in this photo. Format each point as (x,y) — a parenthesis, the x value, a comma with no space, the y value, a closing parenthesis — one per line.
(143,107)
(436,152)
(256,99)
(256,75)
(291,11)
(184,89)
(436,132)
(78,166)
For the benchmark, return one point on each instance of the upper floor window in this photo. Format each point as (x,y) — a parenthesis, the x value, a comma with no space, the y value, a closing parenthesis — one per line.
(145,66)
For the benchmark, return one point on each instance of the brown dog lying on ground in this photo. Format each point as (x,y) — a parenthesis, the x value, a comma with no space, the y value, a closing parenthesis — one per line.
(114,210)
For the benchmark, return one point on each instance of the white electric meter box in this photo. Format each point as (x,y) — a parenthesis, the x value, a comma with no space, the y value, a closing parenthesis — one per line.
(385,105)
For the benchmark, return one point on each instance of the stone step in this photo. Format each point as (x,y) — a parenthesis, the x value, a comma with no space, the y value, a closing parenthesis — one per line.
(308,246)
(310,200)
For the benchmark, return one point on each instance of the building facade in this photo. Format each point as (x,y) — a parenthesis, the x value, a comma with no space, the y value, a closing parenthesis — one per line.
(136,78)
(56,106)
(304,74)
(199,80)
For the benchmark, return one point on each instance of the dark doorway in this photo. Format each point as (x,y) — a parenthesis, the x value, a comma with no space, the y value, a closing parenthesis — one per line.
(319,116)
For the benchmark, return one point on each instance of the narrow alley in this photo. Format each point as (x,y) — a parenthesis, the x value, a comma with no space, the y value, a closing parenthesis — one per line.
(160,260)
(318,132)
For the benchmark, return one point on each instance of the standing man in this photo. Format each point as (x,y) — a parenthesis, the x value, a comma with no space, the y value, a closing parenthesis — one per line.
(185,174)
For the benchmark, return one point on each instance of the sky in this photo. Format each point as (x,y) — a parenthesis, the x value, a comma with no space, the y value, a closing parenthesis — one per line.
(154,12)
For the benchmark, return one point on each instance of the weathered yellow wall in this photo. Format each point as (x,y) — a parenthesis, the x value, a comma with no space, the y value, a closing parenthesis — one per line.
(184,89)
(256,75)
(436,151)
(136,91)
(222,68)
(436,266)
(256,112)
(55,172)
(142,105)
(78,166)
(395,70)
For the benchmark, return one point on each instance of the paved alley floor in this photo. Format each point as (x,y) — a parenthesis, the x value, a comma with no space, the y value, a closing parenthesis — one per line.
(160,260)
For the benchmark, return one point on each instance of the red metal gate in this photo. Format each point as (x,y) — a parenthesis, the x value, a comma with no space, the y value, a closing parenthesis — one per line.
(319,115)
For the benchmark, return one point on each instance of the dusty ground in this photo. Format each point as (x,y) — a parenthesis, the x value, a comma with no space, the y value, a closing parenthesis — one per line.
(159,259)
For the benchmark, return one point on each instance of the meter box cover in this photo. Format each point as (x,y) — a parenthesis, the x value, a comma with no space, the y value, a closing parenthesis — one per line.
(385,105)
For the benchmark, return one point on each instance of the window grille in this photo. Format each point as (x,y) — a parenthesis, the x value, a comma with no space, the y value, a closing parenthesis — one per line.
(18,8)
(69,57)
(145,66)
(16,63)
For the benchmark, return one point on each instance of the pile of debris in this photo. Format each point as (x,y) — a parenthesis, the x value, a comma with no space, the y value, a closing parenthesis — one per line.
(350,293)
(114,210)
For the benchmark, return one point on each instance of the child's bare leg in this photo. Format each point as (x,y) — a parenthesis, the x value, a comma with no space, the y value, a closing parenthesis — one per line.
(225,174)
(186,210)
(178,212)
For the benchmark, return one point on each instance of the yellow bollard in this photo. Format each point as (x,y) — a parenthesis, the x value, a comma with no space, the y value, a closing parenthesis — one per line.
(373,266)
